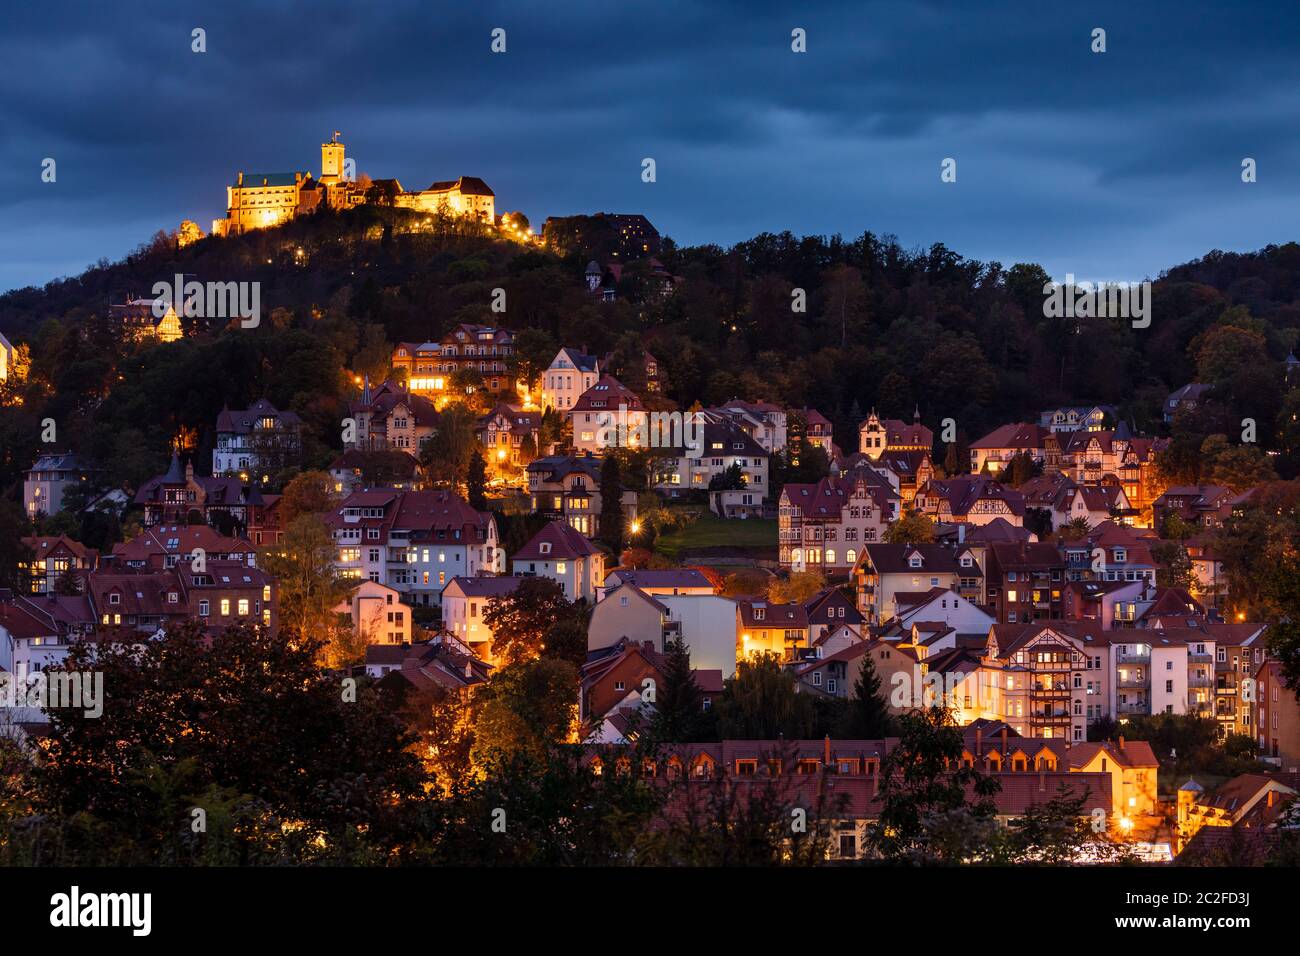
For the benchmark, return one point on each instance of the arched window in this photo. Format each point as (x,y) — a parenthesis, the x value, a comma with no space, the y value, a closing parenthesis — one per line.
(851,557)
(830,555)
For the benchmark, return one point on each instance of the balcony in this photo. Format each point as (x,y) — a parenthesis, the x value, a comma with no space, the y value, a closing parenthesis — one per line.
(1133,708)
(1133,680)
(1133,657)
(1042,690)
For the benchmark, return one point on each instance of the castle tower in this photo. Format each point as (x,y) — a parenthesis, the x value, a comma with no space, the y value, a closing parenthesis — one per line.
(331,160)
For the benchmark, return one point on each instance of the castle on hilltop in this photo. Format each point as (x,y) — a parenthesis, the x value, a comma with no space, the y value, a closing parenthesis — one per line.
(263,200)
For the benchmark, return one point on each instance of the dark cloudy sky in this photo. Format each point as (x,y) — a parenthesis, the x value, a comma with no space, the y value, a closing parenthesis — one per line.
(1108,166)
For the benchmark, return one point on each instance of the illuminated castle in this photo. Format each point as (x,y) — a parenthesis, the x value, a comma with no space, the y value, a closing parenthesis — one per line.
(262,200)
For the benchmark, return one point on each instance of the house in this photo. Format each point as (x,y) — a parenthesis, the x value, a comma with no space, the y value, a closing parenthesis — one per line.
(256,440)
(562,554)
(722,446)
(884,570)
(1278,724)
(6,357)
(993,452)
(36,632)
(359,468)
(970,499)
(1072,418)
(221,594)
(1047,679)
(829,675)
(762,421)
(1186,397)
(765,628)
(390,417)
(657,581)
(829,610)
(1024,582)
(627,668)
(414,541)
(938,605)
(376,614)
(607,414)
(568,487)
(1065,500)
(465,600)
(49,478)
(136,320)
(1204,505)
(708,625)
(436,667)
(53,557)
(1246,804)
(906,471)
(1133,768)
(570,374)
(817,430)
(824,526)
(430,367)
(1111,552)
(509,436)
(164,546)
(174,497)
(739,503)
(879,435)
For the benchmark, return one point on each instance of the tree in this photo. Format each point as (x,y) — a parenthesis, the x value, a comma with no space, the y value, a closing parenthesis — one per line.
(867,717)
(14,553)
(532,354)
(527,707)
(923,782)
(611,503)
(912,527)
(256,718)
(761,703)
(446,457)
(476,482)
(1076,529)
(1059,832)
(798,588)
(1174,566)
(519,621)
(730,479)
(679,702)
(311,493)
(310,587)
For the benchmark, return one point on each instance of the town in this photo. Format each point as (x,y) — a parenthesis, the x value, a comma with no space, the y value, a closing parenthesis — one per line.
(511,539)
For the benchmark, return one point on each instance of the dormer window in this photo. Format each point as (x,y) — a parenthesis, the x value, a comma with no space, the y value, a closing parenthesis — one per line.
(114,598)
(914,561)
(545,547)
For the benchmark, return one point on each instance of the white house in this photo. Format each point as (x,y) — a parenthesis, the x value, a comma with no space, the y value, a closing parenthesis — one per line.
(377,614)
(569,375)
(562,554)
(414,541)
(464,602)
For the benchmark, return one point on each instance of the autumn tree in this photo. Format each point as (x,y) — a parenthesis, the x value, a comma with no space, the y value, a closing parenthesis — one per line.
(310,589)
(913,527)
(521,620)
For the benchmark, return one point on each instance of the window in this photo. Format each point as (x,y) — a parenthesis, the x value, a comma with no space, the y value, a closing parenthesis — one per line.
(243,607)
(203,609)
(225,607)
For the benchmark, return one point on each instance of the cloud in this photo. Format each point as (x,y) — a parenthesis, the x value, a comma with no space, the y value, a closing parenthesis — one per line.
(1118,164)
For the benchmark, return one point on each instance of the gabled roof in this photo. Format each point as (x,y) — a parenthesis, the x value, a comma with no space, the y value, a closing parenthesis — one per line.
(556,541)
(763,614)
(607,395)
(484,587)
(1020,436)
(661,578)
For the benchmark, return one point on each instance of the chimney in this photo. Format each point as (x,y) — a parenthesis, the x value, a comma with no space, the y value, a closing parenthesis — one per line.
(1271,794)
(1004,743)
(827,761)
(1121,743)
(1042,779)
(979,742)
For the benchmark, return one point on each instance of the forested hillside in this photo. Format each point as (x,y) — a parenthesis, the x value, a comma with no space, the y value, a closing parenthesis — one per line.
(884,327)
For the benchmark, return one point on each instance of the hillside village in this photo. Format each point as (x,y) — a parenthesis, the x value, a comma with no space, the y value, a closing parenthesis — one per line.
(1071,588)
